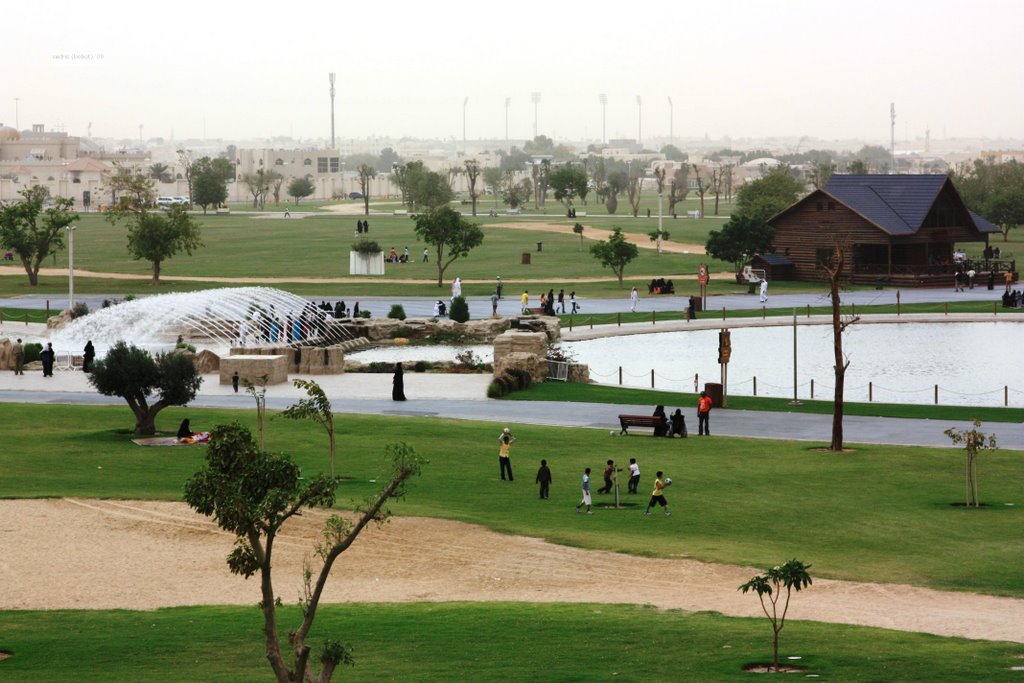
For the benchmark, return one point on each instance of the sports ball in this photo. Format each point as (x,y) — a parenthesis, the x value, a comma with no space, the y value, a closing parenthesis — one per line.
(611,433)
(668,482)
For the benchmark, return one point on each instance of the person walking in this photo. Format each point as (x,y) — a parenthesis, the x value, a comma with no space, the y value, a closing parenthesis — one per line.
(586,492)
(88,356)
(47,356)
(658,495)
(525,301)
(398,384)
(634,476)
(456,288)
(426,255)
(703,413)
(497,287)
(19,358)
(561,301)
(234,381)
(544,479)
(505,442)
(764,291)
(287,213)
(572,302)
(634,299)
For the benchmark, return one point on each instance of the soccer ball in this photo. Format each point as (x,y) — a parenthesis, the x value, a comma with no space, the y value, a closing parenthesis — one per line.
(611,433)
(668,481)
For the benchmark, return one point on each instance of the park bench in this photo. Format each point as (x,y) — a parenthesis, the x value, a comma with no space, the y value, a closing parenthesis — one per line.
(627,421)
(400,212)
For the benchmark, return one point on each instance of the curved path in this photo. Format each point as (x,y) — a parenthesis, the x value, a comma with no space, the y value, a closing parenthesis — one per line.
(118,554)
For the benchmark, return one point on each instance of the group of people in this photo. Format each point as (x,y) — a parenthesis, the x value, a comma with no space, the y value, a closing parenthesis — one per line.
(47,356)
(362,227)
(1012,299)
(544,478)
(393,256)
(671,425)
(549,300)
(310,323)
(661,286)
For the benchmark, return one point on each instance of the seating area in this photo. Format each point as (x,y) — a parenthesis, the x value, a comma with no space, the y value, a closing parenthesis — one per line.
(650,421)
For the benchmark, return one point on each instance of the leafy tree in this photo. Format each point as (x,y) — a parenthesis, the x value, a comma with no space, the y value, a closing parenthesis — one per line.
(258,184)
(677,188)
(673,153)
(634,190)
(426,189)
(769,194)
(301,187)
(273,182)
(209,184)
(820,173)
(131,373)
(366,174)
(568,182)
(460,310)
(833,269)
(659,236)
(994,191)
(158,236)
(578,229)
(494,177)
(973,441)
(876,157)
(615,252)
(387,160)
(447,231)
(472,173)
(161,172)
(136,190)
(857,167)
(516,194)
(740,239)
(32,233)
(515,160)
(251,494)
(791,576)
(541,144)
(316,408)
(400,177)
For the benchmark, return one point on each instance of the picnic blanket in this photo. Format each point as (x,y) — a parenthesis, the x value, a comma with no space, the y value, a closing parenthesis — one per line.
(197,438)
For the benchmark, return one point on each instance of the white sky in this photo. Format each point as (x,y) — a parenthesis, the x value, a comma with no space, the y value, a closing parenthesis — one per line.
(743,68)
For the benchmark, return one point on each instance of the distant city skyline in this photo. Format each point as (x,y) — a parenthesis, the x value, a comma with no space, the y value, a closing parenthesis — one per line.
(739,68)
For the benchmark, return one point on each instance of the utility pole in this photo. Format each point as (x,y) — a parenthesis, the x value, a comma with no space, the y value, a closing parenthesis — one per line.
(330,78)
(639,121)
(671,121)
(17,125)
(603,99)
(535,97)
(465,101)
(508,148)
(892,137)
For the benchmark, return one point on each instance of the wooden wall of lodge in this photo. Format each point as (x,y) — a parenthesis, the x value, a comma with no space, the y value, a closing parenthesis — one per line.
(806,230)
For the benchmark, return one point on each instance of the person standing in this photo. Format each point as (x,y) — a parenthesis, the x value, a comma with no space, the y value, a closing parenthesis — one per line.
(497,287)
(634,476)
(572,302)
(88,356)
(234,381)
(355,310)
(544,479)
(243,332)
(47,356)
(456,288)
(609,472)
(634,299)
(764,291)
(287,213)
(398,384)
(561,301)
(19,358)
(494,304)
(525,301)
(551,301)
(505,442)
(703,413)
(426,255)
(586,492)
(658,495)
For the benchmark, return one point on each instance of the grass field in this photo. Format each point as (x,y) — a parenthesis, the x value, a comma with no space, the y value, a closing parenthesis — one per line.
(481,642)
(737,501)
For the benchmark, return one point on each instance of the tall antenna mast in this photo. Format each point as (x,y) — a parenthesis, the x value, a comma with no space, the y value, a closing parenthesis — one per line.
(330,77)
(892,137)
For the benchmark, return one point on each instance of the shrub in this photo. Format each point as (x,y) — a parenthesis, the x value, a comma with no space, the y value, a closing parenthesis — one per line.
(400,331)
(397,312)
(129,297)
(460,310)
(365,246)
(365,314)
(522,378)
(79,309)
(468,360)
(495,389)
(560,354)
(185,346)
(32,352)
(422,366)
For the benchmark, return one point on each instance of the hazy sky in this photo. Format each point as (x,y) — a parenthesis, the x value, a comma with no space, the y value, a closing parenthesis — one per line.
(732,67)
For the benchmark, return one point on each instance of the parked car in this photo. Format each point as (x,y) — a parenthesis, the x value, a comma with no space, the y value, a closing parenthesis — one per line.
(165,201)
(355,195)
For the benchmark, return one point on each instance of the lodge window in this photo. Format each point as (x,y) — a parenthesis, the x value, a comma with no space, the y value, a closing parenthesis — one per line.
(335,164)
(831,206)
(821,206)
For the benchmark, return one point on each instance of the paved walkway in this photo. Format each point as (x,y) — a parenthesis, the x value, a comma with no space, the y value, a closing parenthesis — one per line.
(464,397)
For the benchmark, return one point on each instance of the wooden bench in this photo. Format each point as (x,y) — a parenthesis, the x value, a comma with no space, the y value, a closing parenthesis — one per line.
(627,421)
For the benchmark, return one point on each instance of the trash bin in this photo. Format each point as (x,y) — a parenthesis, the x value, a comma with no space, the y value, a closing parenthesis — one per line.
(714,390)
(540,246)
(526,258)
(696,304)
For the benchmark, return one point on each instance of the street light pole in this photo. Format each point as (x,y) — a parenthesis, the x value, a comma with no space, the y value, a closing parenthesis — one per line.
(71,266)
(603,99)
(508,148)
(536,100)
(795,401)
(639,121)
(671,121)
(464,103)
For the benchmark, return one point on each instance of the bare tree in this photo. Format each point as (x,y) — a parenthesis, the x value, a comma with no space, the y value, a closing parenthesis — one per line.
(472,173)
(634,187)
(274,181)
(833,269)
(366,174)
(717,184)
(701,187)
(678,188)
(729,175)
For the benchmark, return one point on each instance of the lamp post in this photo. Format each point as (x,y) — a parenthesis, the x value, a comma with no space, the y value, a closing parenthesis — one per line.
(639,121)
(671,121)
(535,98)
(508,101)
(795,401)
(465,101)
(603,99)
(71,266)
(17,125)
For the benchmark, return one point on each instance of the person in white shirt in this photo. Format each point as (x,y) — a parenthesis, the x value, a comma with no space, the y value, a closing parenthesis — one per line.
(634,298)
(634,475)
(764,291)
(586,492)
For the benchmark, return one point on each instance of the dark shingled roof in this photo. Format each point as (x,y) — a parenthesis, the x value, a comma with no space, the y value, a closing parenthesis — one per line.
(983,225)
(896,203)
(774,259)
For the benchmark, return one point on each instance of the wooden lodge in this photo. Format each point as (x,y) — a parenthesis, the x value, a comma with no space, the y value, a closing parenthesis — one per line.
(894,229)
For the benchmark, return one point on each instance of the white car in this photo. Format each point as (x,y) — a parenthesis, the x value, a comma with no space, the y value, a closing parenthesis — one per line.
(166,201)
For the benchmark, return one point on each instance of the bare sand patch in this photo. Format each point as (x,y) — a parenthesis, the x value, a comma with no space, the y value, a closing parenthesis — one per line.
(108,554)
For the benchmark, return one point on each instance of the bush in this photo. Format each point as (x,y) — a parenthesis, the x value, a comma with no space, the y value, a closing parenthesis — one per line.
(184,346)
(79,309)
(468,360)
(32,352)
(494,389)
(422,366)
(522,378)
(365,246)
(401,331)
(365,314)
(397,312)
(460,310)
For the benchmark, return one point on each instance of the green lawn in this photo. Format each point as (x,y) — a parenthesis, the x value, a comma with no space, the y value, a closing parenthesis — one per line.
(480,642)
(876,514)
(594,393)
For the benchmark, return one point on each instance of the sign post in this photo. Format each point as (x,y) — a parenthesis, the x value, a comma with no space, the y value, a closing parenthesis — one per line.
(724,353)
(702,280)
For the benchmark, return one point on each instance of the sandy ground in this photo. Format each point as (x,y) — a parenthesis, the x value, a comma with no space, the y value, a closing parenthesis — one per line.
(593,233)
(106,554)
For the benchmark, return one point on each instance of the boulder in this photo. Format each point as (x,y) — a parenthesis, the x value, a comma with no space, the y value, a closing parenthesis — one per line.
(536,365)
(60,320)
(514,341)
(549,325)
(6,354)
(206,361)
(579,372)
